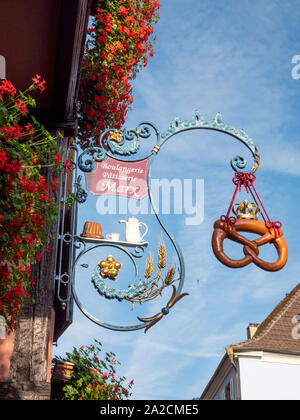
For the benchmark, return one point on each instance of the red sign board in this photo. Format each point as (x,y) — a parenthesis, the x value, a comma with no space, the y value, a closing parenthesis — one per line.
(115,177)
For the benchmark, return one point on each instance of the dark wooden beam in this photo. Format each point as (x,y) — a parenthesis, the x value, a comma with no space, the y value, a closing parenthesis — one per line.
(94,6)
(73,25)
(29,363)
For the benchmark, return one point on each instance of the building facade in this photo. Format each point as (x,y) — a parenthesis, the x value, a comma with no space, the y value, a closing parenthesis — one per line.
(45,37)
(267,365)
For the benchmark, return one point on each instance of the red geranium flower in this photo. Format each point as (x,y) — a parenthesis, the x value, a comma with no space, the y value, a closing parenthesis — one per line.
(6,87)
(3,158)
(22,106)
(54,185)
(123,11)
(39,83)
(68,164)
(118,48)
(57,158)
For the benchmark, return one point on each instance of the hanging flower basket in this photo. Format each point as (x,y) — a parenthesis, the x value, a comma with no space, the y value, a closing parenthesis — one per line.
(28,206)
(119,43)
(92,377)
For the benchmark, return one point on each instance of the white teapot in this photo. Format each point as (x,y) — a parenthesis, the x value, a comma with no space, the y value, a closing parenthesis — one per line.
(132,230)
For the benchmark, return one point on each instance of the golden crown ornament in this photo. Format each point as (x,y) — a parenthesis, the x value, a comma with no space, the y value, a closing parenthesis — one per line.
(116,136)
(246,210)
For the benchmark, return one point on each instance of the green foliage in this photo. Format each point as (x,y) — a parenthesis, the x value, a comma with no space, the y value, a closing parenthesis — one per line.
(28,206)
(118,46)
(94,378)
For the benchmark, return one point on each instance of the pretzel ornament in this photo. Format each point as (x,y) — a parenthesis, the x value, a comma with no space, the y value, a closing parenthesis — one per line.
(269,234)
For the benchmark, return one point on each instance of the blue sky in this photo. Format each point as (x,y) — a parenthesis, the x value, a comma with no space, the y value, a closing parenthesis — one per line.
(232,57)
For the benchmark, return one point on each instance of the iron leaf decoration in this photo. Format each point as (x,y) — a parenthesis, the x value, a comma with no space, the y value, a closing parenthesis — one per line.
(154,319)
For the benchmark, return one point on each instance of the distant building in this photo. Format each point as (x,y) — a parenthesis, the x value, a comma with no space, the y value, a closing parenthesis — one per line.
(267,365)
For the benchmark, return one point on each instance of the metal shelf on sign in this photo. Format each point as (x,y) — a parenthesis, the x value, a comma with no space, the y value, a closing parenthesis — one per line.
(109,242)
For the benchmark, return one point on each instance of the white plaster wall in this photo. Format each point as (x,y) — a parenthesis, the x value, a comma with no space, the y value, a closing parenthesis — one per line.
(269,378)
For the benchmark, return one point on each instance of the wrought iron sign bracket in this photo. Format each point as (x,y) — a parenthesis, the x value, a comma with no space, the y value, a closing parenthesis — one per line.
(118,146)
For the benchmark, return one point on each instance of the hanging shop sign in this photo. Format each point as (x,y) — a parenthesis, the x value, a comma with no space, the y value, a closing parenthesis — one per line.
(119,178)
(110,169)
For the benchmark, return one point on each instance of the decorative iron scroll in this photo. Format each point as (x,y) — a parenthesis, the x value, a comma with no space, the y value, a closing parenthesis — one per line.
(120,145)
(129,141)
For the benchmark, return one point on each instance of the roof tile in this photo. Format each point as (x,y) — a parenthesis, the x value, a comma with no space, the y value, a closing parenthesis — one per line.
(277,331)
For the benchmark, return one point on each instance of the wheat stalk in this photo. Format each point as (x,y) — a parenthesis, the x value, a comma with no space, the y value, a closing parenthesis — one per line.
(161,254)
(149,267)
(170,276)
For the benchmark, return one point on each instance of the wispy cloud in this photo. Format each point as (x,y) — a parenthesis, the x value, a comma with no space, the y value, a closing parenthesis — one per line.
(234,58)
(221,67)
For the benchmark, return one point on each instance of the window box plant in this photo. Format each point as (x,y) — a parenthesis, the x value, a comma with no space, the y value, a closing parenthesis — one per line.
(92,377)
(119,43)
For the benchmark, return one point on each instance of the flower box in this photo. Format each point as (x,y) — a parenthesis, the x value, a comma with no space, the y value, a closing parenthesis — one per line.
(62,371)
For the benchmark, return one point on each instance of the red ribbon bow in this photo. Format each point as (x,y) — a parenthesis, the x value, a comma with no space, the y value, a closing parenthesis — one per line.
(241,178)
(274,225)
(229,220)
